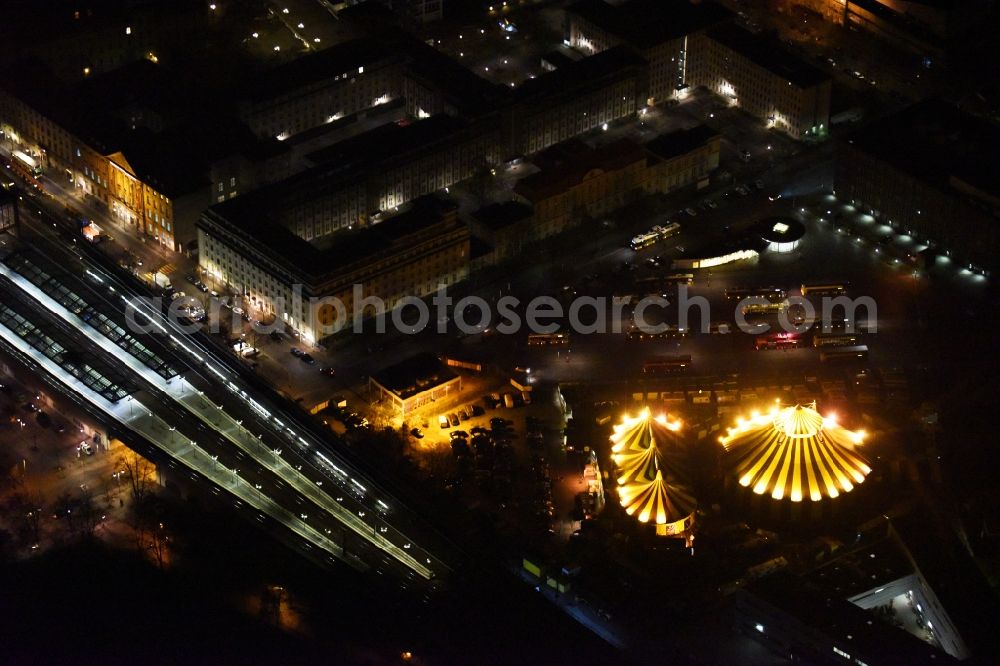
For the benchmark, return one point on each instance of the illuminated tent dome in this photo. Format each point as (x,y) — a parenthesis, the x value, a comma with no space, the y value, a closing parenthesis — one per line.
(646,453)
(794,452)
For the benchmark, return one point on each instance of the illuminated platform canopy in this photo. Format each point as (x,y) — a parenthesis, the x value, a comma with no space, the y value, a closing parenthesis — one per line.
(795,452)
(646,452)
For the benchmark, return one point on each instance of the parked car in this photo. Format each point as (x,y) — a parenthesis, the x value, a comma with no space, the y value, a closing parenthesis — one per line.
(453,418)
(296,352)
(418,433)
(306,358)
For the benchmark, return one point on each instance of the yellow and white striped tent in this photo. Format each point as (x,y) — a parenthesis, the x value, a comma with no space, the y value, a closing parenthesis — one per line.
(646,452)
(795,452)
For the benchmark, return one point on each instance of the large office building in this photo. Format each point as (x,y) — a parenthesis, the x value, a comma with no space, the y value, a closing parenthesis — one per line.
(320,88)
(582,96)
(305,283)
(758,75)
(658,30)
(355,181)
(128,140)
(928,170)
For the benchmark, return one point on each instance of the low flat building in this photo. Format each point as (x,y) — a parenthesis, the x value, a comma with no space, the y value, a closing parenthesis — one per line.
(505,227)
(683,157)
(304,283)
(576,181)
(413,383)
(758,75)
(928,170)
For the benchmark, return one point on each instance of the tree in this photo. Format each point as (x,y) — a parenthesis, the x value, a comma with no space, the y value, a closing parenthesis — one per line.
(139,472)
(26,513)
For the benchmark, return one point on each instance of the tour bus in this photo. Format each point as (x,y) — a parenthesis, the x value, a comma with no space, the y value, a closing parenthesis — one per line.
(844,354)
(545,339)
(824,288)
(777,341)
(773,294)
(655,235)
(659,365)
(835,339)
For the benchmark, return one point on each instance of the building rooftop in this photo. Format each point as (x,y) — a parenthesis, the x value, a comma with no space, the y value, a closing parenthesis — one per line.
(315,261)
(769,53)
(314,67)
(939,144)
(582,73)
(847,625)
(413,375)
(647,23)
(680,142)
(497,216)
(569,163)
(389,141)
(166,130)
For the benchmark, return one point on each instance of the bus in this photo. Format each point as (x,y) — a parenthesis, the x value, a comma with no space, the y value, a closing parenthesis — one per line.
(844,354)
(668,333)
(824,288)
(835,339)
(27,162)
(764,308)
(661,365)
(777,341)
(546,339)
(679,278)
(655,235)
(25,167)
(772,294)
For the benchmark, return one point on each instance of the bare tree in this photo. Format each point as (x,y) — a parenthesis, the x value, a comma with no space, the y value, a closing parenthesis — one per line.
(26,513)
(139,472)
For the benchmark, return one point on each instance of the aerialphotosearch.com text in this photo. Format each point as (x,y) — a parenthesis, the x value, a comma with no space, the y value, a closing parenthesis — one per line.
(510,315)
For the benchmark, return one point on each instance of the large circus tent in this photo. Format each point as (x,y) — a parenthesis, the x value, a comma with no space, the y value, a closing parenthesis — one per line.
(795,453)
(649,463)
